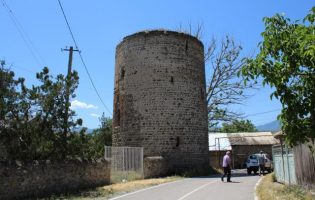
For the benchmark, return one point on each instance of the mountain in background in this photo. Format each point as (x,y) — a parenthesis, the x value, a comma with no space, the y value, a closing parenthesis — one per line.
(272,126)
(88,131)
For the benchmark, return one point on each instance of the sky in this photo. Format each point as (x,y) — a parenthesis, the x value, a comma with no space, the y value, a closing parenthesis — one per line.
(98,26)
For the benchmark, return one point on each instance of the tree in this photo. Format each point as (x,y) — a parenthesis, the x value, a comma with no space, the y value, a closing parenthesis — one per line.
(32,120)
(100,137)
(238,126)
(14,112)
(224,88)
(51,99)
(286,62)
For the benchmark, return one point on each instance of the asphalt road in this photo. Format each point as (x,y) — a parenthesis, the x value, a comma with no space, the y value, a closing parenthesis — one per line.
(241,188)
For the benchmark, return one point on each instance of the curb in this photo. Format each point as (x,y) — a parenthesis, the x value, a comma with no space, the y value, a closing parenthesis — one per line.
(258,182)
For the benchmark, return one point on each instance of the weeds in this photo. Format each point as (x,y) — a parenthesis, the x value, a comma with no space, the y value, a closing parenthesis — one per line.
(270,189)
(110,191)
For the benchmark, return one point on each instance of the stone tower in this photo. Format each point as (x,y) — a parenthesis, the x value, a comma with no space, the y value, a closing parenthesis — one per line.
(159,97)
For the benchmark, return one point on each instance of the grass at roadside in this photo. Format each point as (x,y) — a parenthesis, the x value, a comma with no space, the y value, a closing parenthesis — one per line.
(117,188)
(109,191)
(271,190)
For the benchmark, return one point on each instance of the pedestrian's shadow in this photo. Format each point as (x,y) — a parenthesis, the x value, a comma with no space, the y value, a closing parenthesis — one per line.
(235,182)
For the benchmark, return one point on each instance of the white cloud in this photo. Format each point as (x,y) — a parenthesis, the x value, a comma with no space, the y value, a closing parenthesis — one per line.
(77,104)
(95,115)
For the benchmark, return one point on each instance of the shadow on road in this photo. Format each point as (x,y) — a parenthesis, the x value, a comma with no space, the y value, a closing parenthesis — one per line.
(235,173)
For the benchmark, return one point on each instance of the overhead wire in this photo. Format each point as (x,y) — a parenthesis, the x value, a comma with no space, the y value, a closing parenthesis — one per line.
(82,58)
(22,31)
(261,113)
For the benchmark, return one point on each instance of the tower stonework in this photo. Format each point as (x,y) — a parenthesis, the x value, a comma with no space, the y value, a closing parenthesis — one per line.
(160,98)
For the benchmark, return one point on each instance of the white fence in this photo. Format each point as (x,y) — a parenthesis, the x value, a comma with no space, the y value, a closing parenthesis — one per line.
(126,163)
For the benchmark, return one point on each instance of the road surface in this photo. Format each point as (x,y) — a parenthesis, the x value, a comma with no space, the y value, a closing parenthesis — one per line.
(211,187)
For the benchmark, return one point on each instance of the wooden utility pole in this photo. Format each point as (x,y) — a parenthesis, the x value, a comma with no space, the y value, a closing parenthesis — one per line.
(65,121)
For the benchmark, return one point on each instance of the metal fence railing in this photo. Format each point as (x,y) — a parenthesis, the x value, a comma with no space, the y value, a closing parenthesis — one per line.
(126,163)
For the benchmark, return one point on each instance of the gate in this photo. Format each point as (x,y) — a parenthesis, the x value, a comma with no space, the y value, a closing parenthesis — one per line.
(126,163)
(283,161)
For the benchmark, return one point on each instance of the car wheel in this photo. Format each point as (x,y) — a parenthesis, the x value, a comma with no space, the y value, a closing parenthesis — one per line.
(249,171)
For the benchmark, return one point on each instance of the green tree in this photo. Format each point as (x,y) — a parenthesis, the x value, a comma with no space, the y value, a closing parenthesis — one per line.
(14,113)
(238,126)
(32,120)
(286,62)
(51,98)
(100,137)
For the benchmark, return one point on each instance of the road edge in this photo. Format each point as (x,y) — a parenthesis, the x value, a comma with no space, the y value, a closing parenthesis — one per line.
(141,190)
(258,182)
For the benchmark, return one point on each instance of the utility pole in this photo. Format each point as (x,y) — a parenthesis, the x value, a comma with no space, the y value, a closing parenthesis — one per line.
(65,121)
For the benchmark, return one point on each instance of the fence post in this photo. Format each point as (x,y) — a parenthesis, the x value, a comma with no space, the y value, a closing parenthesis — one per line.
(286,151)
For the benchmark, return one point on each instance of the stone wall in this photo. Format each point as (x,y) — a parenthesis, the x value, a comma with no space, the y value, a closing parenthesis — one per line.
(157,166)
(159,97)
(20,180)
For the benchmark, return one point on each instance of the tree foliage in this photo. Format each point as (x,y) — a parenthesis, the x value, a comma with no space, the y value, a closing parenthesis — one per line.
(238,126)
(32,121)
(100,137)
(287,62)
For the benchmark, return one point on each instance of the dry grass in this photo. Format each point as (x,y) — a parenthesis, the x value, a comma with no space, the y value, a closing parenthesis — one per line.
(131,186)
(271,190)
(117,189)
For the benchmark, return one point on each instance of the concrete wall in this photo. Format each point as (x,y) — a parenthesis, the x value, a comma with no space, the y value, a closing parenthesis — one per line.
(20,180)
(159,97)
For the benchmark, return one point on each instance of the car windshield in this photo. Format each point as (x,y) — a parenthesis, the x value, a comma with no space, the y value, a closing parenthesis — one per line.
(254,156)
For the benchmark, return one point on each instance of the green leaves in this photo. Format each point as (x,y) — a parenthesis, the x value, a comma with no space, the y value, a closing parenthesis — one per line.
(238,126)
(286,61)
(32,120)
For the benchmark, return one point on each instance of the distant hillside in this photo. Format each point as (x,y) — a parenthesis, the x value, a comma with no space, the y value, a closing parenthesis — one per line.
(88,131)
(272,126)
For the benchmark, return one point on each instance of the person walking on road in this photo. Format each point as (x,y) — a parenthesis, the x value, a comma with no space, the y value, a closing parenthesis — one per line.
(261,162)
(227,167)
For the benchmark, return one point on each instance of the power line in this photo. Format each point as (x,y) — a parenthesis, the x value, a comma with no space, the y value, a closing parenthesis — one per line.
(15,66)
(21,31)
(261,113)
(82,58)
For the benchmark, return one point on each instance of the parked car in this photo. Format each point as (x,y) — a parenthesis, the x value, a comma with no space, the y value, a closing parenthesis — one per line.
(253,166)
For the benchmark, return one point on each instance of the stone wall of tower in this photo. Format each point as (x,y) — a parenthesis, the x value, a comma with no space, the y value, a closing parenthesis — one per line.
(159,97)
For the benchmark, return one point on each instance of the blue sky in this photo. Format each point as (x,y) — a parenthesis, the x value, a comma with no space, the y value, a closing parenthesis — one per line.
(98,26)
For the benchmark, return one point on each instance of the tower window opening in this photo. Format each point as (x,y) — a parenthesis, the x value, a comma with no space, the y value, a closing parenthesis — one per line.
(177,141)
(122,74)
(172,79)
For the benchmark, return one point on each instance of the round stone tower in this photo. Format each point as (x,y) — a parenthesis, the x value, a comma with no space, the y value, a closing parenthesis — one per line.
(159,97)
